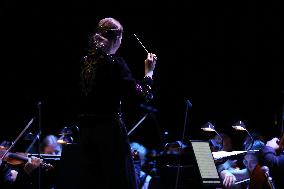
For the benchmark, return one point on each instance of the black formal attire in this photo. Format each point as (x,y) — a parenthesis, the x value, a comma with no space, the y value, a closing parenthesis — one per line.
(105,157)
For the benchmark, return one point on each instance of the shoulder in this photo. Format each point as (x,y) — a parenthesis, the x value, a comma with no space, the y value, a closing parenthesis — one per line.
(119,61)
(121,64)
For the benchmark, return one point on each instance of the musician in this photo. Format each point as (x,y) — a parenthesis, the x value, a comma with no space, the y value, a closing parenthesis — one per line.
(105,158)
(273,157)
(223,142)
(143,178)
(49,145)
(19,177)
(231,171)
(26,176)
(256,145)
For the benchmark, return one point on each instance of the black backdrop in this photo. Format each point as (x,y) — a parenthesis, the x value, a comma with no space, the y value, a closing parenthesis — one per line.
(225,58)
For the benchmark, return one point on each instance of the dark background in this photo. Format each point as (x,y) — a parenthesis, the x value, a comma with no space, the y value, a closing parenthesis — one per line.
(225,58)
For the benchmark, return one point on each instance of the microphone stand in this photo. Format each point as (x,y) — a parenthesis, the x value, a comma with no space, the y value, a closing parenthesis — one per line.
(282,119)
(32,144)
(188,105)
(39,106)
(150,110)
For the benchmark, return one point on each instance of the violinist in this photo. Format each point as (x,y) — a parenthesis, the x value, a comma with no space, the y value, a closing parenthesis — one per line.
(19,176)
(21,170)
(273,157)
(106,82)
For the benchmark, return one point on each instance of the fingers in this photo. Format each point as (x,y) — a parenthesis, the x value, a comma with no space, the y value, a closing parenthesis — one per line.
(154,56)
(229,181)
(226,182)
(32,164)
(36,161)
(276,140)
(151,56)
(30,160)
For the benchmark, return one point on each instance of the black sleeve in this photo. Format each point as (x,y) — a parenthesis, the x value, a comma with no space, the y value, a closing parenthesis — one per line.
(23,179)
(142,89)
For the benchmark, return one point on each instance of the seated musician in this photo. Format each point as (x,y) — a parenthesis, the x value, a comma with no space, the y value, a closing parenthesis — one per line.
(50,145)
(273,157)
(230,172)
(224,169)
(18,176)
(143,177)
(27,176)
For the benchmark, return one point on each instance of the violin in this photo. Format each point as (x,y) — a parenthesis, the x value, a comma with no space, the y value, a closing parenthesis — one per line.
(18,159)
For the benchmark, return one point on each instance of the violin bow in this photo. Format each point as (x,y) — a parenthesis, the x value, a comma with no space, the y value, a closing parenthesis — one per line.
(17,139)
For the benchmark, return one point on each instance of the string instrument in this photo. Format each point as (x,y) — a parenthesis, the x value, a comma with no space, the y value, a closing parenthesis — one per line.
(18,159)
(259,179)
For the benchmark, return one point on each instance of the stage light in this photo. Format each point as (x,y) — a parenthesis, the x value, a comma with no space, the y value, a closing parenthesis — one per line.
(209,127)
(240,126)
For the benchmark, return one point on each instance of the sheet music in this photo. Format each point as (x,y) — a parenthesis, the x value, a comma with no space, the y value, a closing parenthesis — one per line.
(205,162)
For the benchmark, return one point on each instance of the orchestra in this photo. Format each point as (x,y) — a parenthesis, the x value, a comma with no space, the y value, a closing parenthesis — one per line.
(100,145)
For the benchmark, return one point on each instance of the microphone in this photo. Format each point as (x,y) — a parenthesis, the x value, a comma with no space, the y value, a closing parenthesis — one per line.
(189,104)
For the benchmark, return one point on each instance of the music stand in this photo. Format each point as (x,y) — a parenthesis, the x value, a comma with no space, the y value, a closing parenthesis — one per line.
(208,173)
(195,164)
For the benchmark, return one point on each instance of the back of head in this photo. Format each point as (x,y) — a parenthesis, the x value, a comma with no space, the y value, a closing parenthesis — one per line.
(256,144)
(217,142)
(140,149)
(107,28)
(251,159)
